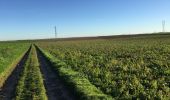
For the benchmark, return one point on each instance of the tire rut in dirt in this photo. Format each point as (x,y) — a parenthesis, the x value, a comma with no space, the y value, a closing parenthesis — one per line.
(54,87)
(7,92)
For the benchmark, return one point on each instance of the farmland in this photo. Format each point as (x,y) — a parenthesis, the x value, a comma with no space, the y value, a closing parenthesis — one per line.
(125,68)
(100,68)
(10,54)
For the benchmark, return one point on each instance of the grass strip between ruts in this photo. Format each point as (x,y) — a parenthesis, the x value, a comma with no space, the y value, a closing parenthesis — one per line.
(30,85)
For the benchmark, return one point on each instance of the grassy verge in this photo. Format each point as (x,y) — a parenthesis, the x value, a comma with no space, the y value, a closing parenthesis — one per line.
(8,68)
(30,85)
(81,86)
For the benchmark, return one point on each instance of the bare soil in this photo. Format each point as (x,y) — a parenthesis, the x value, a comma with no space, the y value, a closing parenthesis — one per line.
(8,90)
(54,86)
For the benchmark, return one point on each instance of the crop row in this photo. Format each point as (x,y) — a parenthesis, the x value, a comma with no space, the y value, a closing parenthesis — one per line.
(78,84)
(130,68)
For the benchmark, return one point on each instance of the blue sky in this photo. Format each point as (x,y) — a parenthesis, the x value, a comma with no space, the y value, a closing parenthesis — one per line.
(29,19)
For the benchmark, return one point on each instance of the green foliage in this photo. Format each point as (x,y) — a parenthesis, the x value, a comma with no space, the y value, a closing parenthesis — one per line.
(30,85)
(135,67)
(10,54)
(81,86)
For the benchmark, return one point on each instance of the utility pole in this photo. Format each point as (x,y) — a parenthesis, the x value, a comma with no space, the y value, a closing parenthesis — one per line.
(163,26)
(55,29)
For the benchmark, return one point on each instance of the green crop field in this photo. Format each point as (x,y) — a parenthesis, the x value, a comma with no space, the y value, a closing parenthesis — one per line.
(98,68)
(84,50)
(124,68)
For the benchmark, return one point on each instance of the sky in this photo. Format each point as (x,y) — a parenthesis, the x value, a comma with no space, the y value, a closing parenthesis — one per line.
(34,19)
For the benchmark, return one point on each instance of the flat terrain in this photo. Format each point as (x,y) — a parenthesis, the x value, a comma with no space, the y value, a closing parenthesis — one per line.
(87,68)
(54,86)
(8,90)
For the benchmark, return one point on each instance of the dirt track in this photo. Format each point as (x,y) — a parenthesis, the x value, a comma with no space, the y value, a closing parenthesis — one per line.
(54,87)
(8,90)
